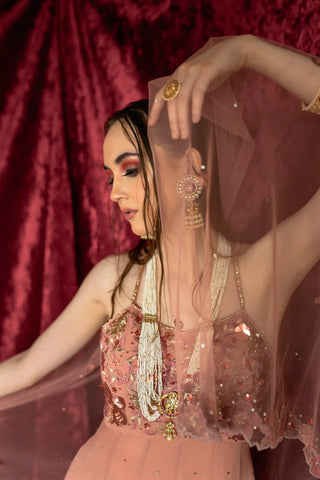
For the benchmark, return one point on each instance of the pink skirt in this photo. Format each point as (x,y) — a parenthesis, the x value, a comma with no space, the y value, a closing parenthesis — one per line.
(117,453)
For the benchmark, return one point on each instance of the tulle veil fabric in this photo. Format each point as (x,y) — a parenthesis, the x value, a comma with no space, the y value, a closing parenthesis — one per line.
(261,158)
(258,164)
(42,427)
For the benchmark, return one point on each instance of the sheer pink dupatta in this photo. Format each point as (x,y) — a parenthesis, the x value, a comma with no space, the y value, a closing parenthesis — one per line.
(260,154)
(42,427)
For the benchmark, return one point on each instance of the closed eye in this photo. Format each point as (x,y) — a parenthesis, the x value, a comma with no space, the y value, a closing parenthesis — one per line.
(131,172)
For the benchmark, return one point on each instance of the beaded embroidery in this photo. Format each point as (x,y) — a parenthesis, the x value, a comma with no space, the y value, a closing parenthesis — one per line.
(242,366)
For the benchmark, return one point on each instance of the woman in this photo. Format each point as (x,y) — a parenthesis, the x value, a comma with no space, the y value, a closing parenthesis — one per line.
(190,350)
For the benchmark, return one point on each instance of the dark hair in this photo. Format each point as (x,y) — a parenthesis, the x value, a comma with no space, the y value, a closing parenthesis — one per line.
(133,119)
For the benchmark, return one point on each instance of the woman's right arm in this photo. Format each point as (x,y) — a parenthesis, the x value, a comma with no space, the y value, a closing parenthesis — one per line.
(72,329)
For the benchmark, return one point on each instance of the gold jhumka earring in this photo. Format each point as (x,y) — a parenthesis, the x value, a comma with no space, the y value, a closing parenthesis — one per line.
(189,188)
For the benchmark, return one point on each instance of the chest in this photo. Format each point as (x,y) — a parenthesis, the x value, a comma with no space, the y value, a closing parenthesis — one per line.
(238,364)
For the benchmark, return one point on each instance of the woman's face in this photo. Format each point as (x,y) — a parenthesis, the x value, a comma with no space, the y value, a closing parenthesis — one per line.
(122,164)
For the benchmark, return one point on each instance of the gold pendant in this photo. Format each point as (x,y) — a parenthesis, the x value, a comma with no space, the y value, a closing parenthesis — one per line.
(168,405)
(169,431)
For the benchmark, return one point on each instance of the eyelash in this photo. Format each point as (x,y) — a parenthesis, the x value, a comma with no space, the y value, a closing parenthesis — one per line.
(130,172)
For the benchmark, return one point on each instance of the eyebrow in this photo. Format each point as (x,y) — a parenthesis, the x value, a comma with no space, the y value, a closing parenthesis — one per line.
(121,157)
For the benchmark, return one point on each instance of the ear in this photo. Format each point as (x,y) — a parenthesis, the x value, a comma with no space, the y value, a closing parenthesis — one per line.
(195,161)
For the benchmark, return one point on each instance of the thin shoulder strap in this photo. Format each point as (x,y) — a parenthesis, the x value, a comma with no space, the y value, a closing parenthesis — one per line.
(137,285)
(238,281)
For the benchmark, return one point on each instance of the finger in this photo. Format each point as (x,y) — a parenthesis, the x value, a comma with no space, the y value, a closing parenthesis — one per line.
(206,83)
(157,106)
(184,105)
(156,109)
(200,89)
(172,106)
(173,118)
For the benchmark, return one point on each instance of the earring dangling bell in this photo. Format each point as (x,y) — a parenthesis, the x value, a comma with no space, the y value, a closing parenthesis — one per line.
(189,188)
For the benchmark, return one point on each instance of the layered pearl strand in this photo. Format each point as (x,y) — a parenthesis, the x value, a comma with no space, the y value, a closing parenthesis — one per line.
(217,288)
(149,374)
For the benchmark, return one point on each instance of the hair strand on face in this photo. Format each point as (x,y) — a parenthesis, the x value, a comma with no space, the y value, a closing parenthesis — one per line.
(133,120)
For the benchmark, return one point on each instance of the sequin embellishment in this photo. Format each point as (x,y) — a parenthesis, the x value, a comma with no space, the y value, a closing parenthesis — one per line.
(114,409)
(119,324)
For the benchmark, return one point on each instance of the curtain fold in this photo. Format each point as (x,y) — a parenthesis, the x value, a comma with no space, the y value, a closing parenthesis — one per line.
(66,65)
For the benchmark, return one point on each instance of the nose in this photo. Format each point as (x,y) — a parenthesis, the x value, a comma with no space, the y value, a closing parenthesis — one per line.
(116,192)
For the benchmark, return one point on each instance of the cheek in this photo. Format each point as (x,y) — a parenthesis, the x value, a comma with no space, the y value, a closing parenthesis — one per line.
(152,197)
(141,193)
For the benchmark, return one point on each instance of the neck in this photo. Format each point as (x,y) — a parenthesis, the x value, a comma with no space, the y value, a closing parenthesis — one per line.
(189,244)
(185,259)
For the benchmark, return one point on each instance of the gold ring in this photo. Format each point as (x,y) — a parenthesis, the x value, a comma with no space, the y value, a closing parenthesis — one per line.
(171,90)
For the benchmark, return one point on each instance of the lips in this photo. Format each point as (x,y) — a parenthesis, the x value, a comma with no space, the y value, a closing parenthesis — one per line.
(128,213)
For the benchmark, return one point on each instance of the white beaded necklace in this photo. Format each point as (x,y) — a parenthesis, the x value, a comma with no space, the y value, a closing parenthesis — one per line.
(149,374)
(217,288)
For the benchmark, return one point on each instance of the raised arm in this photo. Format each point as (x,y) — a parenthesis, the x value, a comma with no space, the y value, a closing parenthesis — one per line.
(74,327)
(298,237)
(205,71)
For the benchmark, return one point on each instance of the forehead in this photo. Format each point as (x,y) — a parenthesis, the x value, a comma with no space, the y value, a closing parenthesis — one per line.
(116,142)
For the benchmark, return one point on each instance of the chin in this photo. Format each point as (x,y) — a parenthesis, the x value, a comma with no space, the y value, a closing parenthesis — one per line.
(140,232)
(139,229)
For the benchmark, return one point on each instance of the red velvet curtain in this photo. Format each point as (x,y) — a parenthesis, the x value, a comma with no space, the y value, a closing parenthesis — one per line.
(65,66)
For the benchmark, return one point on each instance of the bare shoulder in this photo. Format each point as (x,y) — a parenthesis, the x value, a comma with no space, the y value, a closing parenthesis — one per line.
(109,268)
(102,279)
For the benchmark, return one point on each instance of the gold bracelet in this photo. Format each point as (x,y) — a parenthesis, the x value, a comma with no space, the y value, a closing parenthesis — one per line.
(314,106)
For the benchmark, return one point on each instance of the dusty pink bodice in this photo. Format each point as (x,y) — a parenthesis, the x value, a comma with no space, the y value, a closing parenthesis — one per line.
(242,376)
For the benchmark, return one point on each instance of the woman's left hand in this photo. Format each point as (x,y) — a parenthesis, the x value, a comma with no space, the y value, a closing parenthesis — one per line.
(199,74)
(205,71)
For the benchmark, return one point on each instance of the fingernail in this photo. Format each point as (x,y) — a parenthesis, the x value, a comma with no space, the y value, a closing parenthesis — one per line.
(174,134)
(184,134)
(195,118)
